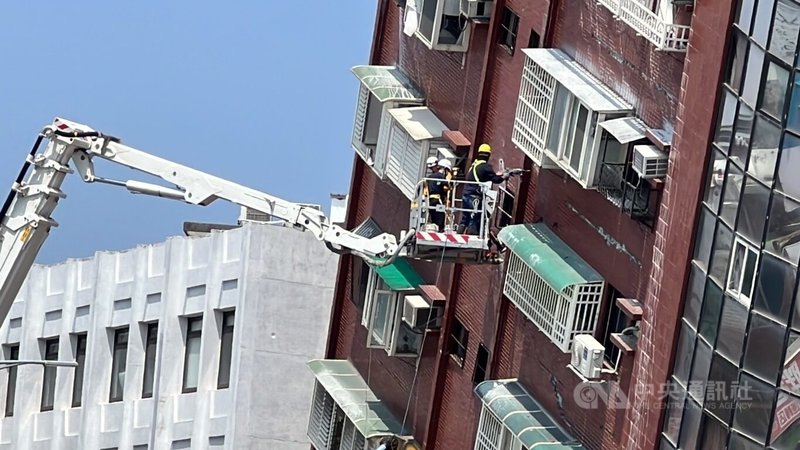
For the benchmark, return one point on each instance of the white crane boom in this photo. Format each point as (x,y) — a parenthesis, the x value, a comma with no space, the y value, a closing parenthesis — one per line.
(26,216)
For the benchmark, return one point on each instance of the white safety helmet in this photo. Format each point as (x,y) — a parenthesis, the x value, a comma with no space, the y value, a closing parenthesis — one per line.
(431,162)
(445,163)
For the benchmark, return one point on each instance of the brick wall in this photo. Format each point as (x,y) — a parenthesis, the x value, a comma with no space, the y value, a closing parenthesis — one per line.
(675,229)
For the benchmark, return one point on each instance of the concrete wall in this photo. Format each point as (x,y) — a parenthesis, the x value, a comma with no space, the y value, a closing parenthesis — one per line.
(280,283)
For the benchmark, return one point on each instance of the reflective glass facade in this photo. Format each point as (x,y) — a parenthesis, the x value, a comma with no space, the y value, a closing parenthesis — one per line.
(736,376)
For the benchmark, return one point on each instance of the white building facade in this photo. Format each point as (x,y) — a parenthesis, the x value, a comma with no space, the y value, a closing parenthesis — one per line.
(193,343)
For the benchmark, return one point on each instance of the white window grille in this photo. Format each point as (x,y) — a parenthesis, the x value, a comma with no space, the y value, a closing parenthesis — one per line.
(534,107)
(493,435)
(412,135)
(742,271)
(490,431)
(559,315)
(382,88)
(559,108)
(329,428)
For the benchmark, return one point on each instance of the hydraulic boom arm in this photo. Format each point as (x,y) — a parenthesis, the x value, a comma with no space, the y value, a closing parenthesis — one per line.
(25,217)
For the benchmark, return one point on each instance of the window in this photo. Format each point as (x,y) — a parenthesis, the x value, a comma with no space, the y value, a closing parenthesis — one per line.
(558,314)
(80,358)
(383,317)
(459,337)
(49,378)
(508,30)
(440,25)
(191,360)
(382,88)
(559,108)
(742,272)
(119,364)
(226,350)
(481,365)
(150,348)
(360,282)
(12,354)
(533,39)
(329,428)
(383,305)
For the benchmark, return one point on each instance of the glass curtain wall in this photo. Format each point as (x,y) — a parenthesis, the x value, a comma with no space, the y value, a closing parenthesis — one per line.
(736,378)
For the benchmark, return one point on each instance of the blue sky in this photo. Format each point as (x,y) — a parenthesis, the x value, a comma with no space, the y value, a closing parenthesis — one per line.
(258,92)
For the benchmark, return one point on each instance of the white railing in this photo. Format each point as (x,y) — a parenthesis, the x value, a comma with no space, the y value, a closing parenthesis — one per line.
(665,36)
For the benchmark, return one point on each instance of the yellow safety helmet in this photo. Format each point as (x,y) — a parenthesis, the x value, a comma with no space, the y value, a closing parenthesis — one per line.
(485,148)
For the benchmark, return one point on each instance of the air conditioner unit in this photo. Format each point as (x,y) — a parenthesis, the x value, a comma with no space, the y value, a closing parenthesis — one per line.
(587,356)
(649,161)
(476,9)
(419,314)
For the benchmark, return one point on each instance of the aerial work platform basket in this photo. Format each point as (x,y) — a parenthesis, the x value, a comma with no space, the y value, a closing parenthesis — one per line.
(476,246)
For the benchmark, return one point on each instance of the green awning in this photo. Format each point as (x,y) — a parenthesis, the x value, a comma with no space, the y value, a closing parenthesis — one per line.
(523,416)
(388,83)
(349,390)
(548,256)
(399,275)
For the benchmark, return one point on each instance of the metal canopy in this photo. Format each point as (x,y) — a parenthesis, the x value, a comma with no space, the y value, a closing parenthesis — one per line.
(589,90)
(349,390)
(399,275)
(625,129)
(388,83)
(520,413)
(545,253)
(419,122)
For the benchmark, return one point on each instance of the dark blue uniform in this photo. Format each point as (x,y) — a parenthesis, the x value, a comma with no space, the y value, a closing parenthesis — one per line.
(437,184)
(480,171)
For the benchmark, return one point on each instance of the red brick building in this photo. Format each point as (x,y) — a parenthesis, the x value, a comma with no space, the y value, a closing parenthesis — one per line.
(610,107)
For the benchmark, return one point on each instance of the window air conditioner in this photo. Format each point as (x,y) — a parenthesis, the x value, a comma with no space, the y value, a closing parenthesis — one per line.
(587,356)
(649,161)
(476,9)
(419,314)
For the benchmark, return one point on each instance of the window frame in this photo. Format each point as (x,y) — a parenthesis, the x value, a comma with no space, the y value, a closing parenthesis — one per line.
(49,374)
(193,335)
(81,346)
(458,342)
(509,30)
(226,331)
(12,354)
(744,298)
(122,347)
(481,370)
(393,325)
(150,358)
(434,41)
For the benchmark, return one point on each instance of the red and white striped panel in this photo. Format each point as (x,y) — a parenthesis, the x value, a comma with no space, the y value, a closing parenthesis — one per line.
(443,237)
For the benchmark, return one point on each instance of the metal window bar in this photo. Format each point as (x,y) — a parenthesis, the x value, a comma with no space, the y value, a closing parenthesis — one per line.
(639,16)
(534,109)
(490,431)
(624,189)
(560,316)
(319,424)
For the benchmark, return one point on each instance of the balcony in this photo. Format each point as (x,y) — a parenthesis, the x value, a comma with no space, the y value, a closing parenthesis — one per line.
(657,27)
(634,196)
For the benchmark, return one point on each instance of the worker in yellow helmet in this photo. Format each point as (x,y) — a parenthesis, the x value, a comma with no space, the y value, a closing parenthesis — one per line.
(480,171)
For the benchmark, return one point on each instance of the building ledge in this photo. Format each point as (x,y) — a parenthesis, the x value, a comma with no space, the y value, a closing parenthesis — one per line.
(625,342)
(632,308)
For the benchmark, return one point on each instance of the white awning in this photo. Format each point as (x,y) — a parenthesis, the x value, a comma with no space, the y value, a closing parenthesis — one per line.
(419,122)
(625,129)
(589,90)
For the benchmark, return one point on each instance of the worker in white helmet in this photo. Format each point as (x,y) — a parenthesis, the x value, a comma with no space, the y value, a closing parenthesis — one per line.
(437,192)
